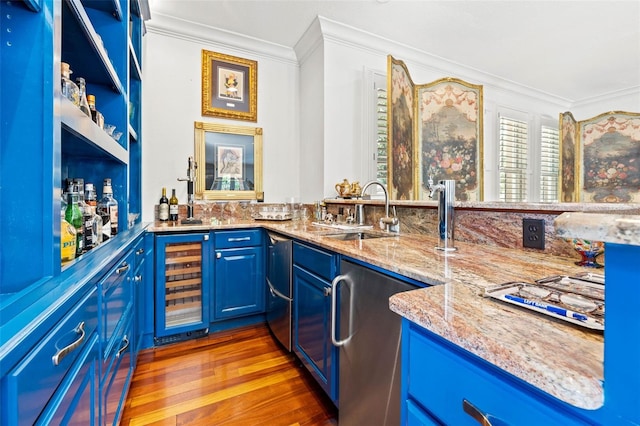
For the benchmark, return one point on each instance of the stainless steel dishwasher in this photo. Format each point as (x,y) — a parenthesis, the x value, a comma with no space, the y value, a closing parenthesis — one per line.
(279,288)
(369,342)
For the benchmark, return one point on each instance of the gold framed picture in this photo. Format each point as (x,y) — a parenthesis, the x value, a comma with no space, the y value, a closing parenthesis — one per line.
(229,86)
(229,160)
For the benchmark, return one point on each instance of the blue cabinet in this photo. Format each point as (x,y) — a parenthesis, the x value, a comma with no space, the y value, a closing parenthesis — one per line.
(443,384)
(312,274)
(46,138)
(239,288)
(182,284)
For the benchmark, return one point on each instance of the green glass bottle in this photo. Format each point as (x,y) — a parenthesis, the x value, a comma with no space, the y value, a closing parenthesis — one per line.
(73,215)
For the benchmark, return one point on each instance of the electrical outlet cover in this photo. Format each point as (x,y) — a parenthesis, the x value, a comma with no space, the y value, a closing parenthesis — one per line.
(533,233)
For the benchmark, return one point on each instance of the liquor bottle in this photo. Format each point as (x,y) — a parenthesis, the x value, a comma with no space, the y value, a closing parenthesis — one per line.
(91,199)
(108,210)
(69,88)
(73,215)
(96,115)
(84,103)
(163,207)
(173,206)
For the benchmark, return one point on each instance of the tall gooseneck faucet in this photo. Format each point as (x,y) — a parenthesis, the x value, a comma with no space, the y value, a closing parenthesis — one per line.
(191,177)
(391,224)
(446,190)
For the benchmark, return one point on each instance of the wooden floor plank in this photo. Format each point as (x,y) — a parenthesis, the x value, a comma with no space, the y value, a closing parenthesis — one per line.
(238,377)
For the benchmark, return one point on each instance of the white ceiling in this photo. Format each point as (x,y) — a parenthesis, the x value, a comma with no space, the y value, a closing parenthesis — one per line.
(576,50)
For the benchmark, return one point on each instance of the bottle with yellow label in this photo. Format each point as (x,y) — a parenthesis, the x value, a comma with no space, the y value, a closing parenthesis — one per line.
(68,238)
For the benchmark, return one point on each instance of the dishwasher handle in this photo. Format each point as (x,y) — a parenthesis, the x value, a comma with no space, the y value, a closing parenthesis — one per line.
(276,293)
(334,314)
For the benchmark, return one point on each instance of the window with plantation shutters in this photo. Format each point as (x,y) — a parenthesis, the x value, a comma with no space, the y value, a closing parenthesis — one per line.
(549,163)
(513,159)
(381,135)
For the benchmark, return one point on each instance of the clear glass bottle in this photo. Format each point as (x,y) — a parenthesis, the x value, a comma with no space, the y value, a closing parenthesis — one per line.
(108,210)
(91,199)
(83,102)
(69,89)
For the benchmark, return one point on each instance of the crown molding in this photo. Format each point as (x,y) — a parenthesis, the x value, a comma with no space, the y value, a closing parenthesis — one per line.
(339,33)
(192,31)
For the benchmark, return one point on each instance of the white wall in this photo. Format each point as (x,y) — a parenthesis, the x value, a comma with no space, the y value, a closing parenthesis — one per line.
(172,103)
(311,104)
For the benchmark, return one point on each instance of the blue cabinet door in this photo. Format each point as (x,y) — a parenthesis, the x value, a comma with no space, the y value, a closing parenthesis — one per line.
(312,328)
(239,282)
(183,283)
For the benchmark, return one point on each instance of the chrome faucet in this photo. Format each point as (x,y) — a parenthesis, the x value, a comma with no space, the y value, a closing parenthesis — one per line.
(391,224)
(446,190)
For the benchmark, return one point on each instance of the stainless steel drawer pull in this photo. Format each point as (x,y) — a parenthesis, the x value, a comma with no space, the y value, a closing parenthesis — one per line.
(233,240)
(59,356)
(475,413)
(124,268)
(140,251)
(125,340)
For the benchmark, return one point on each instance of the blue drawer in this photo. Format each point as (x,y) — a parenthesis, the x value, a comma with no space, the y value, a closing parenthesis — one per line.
(116,295)
(320,262)
(237,239)
(31,384)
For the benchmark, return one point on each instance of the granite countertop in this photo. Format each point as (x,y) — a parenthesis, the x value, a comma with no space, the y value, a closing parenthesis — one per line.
(561,359)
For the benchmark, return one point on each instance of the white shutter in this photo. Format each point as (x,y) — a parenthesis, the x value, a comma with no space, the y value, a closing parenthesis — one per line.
(513,159)
(381,137)
(549,163)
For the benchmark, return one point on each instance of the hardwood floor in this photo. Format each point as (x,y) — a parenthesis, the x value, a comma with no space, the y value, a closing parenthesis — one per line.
(238,377)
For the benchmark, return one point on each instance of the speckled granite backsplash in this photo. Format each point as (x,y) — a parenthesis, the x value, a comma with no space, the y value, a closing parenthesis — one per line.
(493,224)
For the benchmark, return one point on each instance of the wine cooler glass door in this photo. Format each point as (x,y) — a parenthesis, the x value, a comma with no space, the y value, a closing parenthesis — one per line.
(184,293)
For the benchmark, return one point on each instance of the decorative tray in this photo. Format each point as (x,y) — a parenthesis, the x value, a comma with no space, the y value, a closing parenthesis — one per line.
(578,300)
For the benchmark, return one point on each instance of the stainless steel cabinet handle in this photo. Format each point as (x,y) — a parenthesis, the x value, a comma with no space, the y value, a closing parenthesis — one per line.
(59,356)
(218,255)
(327,291)
(125,340)
(137,278)
(140,251)
(334,309)
(475,413)
(233,240)
(205,237)
(124,268)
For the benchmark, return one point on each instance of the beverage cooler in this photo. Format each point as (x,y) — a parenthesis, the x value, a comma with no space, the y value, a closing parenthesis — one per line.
(182,286)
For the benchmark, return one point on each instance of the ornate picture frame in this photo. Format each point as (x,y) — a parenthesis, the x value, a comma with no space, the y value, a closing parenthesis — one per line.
(401,181)
(568,188)
(229,86)
(610,158)
(229,162)
(449,136)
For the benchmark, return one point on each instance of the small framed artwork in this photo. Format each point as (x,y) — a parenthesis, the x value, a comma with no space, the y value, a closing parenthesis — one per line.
(229,86)
(229,161)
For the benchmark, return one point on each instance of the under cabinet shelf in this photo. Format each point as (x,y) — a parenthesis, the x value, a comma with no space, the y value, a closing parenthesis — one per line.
(110,6)
(95,142)
(83,49)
